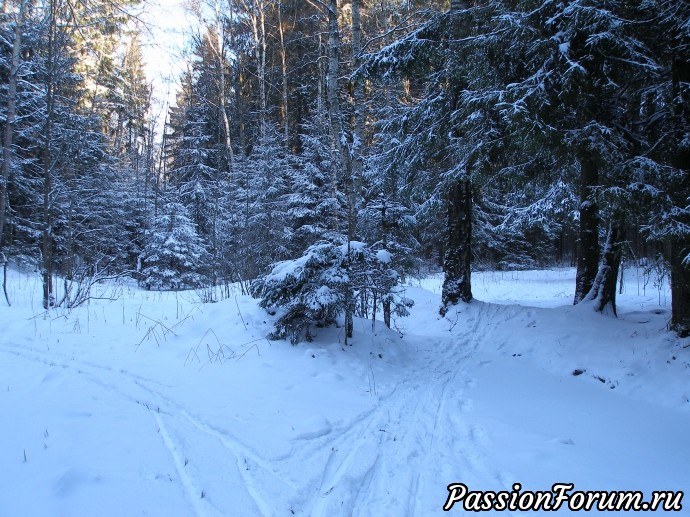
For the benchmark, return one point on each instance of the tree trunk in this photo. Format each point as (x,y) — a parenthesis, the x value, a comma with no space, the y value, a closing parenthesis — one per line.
(358,105)
(349,303)
(239,83)
(680,245)
(5,265)
(47,237)
(283,69)
(680,287)
(335,114)
(262,69)
(8,133)
(218,46)
(258,21)
(457,258)
(603,290)
(339,137)
(588,248)
(384,237)
(387,311)
(320,83)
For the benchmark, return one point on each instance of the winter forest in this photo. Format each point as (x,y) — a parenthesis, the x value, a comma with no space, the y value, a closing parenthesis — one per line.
(319,162)
(371,140)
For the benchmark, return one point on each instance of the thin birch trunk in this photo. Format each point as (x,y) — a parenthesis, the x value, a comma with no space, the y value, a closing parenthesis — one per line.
(46,237)
(219,49)
(283,68)
(339,137)
(8,134)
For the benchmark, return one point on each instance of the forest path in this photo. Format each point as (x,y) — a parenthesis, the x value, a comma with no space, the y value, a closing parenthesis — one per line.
(419,436)
(213,420)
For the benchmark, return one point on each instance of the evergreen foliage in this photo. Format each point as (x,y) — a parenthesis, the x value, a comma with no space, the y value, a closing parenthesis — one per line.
(175,257)
(313,289)
(501,134)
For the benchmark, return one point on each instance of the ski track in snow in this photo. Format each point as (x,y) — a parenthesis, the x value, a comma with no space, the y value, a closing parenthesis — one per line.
(191,488)
(422,423)
(421,434)
(163,407)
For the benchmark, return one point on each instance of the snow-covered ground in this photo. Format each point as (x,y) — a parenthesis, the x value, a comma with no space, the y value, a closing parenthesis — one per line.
(158,404)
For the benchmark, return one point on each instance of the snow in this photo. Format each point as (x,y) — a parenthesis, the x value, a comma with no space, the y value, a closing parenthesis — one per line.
(384,256)
(158,404)
(323,297)
(353,246)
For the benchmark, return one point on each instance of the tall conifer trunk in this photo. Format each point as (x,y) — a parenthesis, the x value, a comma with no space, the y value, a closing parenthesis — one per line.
(680,287)
(457,259)
(457,256)
(680,245)
(603,290)
(588,236)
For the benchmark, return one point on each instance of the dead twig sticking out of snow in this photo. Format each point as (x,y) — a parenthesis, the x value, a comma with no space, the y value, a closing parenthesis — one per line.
(189,354)
(153,331)
(239,312)
(255,345)
(213,355)
(78,286)
(372,383)
(223,353)
(454,323)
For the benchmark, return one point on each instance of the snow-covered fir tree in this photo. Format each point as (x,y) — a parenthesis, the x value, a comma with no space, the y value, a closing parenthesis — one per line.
(175,256)
(313,290)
